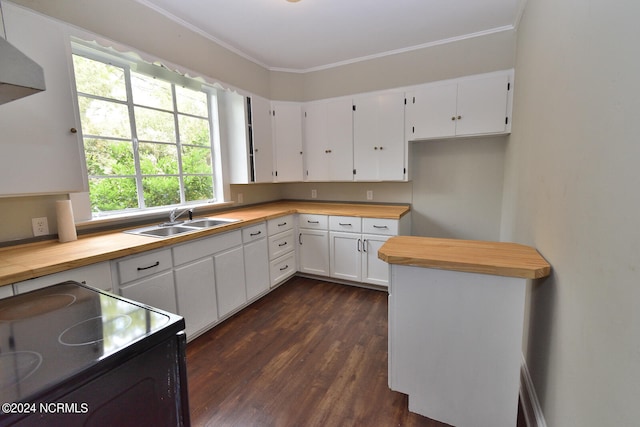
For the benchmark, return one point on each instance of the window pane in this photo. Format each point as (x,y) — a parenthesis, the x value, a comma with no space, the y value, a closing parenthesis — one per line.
(151,92)
(194,131)
(198,188)
(192,102)
(109,157)
(112,194)
(97,78)
(196,160)
(153,125)
(158,159)
(161,190)
(104,118)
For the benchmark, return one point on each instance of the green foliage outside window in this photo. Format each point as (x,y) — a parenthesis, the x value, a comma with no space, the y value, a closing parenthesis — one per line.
(149,151)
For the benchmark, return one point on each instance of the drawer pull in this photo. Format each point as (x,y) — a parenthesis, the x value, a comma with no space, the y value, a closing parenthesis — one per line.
(283,224)
(345,224)
(380,226)
(157,263)
(285,267)
(313,222)
(283,244)
(255,234)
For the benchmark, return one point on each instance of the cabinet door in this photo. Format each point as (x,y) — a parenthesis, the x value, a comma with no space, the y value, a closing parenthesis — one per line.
(196,295)
(431,112)
(262,139)
(313,251)
(287,133)
(482,105)
(378,138)
(346,255)
(40,153)
(156,291)
(374,270)
(316,142)
(256,263)
(340,139)
(230,283)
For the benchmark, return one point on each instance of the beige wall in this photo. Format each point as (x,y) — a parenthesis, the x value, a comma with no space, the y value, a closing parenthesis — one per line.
(571,190)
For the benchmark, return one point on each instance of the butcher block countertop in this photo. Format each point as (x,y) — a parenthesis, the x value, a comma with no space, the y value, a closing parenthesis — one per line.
(31,260)
(472,256)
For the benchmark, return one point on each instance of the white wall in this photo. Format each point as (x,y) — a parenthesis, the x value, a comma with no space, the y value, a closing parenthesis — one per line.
(571,190)
(458,188)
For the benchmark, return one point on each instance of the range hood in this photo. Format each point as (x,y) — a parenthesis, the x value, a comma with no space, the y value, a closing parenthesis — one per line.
(19,75)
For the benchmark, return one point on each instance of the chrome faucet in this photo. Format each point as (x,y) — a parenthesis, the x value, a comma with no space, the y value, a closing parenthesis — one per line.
(174,215)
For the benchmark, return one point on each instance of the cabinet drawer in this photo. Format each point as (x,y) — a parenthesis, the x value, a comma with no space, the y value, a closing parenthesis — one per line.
(144,265)
(345,223)
(200,248)
(254,232)
(282,268)
(318,222)
(278,225)
(281,243)
(96,275)
(388,227)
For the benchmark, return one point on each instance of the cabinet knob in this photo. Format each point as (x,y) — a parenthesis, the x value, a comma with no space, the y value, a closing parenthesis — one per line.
(453,118)
(375,148)
(459,117)
(381,148)
(73,130)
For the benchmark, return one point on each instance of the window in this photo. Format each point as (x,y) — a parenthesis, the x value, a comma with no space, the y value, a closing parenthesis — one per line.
(147,140)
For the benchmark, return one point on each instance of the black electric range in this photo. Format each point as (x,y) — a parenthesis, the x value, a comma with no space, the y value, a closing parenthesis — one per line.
(73,355)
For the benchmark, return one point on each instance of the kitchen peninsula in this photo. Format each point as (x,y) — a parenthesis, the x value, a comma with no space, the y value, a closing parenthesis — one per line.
(456,313)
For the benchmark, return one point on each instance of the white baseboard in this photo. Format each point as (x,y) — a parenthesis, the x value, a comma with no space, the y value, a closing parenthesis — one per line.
(530,405)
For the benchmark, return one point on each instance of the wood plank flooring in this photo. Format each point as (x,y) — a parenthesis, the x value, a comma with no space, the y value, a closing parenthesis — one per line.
(310,353)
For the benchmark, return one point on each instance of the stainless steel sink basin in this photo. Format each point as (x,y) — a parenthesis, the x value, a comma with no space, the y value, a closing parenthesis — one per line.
(208,222)
(169,229)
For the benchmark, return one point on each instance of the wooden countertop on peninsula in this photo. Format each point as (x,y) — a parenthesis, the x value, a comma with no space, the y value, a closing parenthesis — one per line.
(31,260)
(472,256)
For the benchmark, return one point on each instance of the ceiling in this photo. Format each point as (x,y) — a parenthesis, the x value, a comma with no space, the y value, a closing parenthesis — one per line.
(317,34)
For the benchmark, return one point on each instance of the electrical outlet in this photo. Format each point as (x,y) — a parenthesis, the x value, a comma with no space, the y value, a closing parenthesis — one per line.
(369,194)
(40,226)
(314,193)
(240,198)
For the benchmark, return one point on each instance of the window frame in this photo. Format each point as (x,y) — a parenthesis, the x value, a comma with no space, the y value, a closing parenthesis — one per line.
(220,186)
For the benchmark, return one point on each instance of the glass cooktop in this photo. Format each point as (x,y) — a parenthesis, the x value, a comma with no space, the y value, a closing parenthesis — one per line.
(51,334)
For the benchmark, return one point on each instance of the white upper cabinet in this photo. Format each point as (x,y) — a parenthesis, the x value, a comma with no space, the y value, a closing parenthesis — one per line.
(245,123)
(287,136)
(41,149)
(476,105)
(328,140)
(262,139)
(379,146)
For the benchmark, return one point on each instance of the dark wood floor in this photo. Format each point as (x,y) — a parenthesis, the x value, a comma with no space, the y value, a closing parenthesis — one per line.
(310,353)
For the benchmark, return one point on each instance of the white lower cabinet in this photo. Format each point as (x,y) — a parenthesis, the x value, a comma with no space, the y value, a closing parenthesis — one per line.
(281,246)
(313,244)
(6,291)
(148,278)
(97,275)
(354,248)
(157,291)
(196,295)
(230,283)
(256,260)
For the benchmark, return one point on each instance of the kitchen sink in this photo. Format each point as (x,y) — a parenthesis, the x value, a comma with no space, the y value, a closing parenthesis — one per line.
(173,229)
(208,222)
